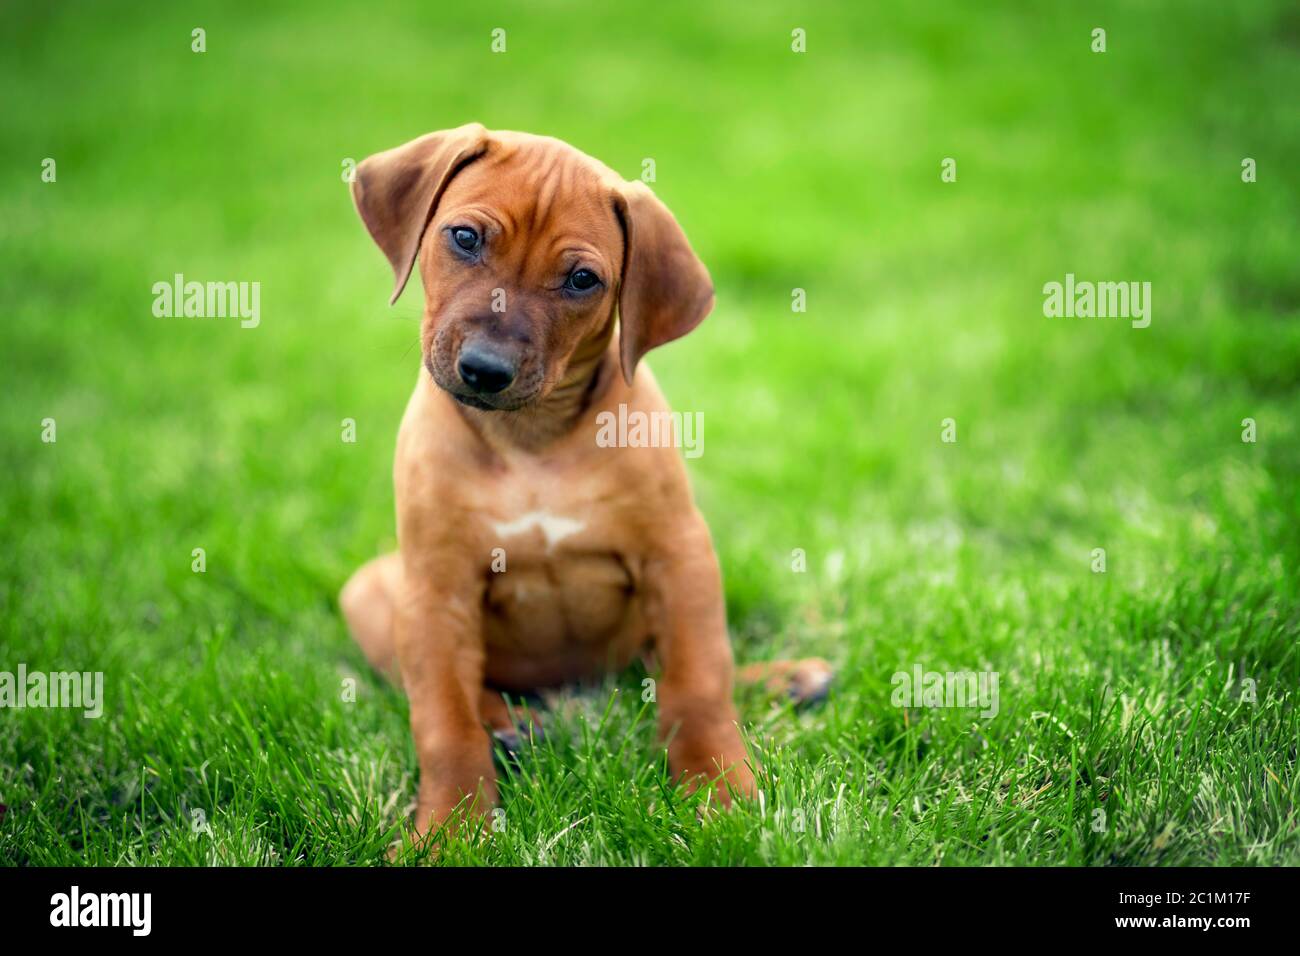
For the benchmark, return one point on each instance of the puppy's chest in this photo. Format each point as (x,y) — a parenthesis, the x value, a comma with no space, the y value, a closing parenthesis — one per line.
(558,543)
(559,574)
(552,517)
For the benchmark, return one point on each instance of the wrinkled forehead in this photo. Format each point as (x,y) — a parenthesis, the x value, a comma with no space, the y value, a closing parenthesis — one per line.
(537,186)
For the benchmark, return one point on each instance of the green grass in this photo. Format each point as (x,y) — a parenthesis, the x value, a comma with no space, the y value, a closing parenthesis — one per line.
(1119,691)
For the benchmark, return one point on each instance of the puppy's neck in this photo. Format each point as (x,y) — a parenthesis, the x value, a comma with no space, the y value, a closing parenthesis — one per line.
(588,375)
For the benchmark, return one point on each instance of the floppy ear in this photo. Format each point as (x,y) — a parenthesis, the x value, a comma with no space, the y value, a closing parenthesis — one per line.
(666,291)
(397,191)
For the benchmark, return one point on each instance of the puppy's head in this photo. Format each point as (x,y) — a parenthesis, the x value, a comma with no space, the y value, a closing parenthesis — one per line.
(526,248)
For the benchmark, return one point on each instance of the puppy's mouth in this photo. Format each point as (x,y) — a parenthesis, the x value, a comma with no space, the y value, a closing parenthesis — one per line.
(473,401)
(487,403)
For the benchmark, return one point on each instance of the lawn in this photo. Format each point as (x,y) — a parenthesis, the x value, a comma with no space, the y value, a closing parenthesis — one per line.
(1147,713)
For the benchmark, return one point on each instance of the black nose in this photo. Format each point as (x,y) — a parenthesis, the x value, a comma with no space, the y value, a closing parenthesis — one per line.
(484,372)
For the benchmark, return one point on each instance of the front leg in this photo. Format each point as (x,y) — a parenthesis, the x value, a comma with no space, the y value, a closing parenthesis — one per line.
(696,711)
(440,649)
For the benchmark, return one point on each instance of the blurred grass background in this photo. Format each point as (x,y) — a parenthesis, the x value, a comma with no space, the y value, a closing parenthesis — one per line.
(819,171)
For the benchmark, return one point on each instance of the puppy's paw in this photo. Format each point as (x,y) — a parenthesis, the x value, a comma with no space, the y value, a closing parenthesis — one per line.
(510,742)
(453,803)
(806,681)
(736,784)
(810,681)
(719,762)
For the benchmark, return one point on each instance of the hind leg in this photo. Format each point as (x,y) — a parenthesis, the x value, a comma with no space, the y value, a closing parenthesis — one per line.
(368,601)
(804,681)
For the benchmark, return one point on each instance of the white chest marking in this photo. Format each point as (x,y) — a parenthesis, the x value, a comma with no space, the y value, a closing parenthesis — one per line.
(554,527)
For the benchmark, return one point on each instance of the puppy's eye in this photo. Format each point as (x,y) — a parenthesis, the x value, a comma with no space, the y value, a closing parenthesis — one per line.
(581,280)
(465,238)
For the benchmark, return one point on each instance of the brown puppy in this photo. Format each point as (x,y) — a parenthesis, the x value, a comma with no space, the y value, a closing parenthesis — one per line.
(529,554)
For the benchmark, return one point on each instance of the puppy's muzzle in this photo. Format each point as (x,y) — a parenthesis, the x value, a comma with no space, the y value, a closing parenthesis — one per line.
(484,371)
